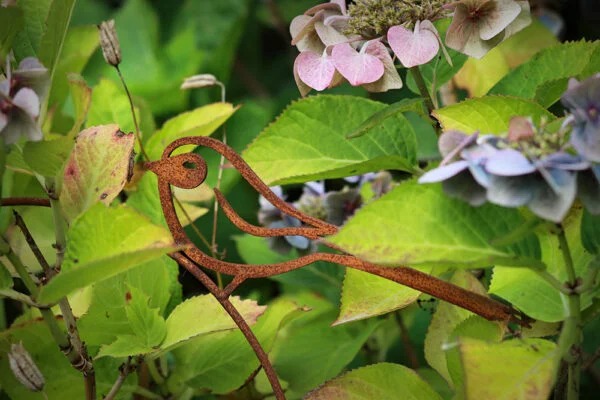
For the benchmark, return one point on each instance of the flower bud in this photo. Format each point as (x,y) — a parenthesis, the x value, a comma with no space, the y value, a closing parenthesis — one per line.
(109,42)
(24,368)
(198,81)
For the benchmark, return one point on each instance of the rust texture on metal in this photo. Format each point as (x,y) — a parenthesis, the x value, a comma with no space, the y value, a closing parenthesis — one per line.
(189,170)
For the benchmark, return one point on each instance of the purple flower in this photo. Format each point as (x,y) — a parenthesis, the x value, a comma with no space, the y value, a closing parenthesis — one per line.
(271,217)
(583,100)
(466,178)
(529,167)
(20,96)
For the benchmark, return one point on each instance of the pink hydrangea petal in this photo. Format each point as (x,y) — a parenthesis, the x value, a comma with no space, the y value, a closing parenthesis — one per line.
(520,128)
(391,78)
(27,100)
(413,48)
(332,6)
(503,13)
(329,35)
(303,25)
(357,68)
(341,4)
(302,87)
(315,70)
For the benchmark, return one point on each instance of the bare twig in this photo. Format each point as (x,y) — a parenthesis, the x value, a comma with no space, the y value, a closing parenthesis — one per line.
(25,201)
(408,347)
(138,135)
(124,370)
(31,242)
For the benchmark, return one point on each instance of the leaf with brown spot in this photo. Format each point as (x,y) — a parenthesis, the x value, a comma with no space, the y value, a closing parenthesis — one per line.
(520,369)
(99,163)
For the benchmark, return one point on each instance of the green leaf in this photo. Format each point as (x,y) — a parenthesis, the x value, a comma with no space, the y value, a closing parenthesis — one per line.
(11,22)
(202,121)
(366,295)
(560,61)
(146,200)
(308,142)
(97,169)
(590,232)
(110,105)
(56,24)
(80,44)
(6,281)
(145,322)
(203,314)
(404,105)
(27,41)
(490,114)
(156,278)
(311,351)
(126,345)
(445,71)
(520,47)
(550,92)
(122,238)
(81,94)
(417,224)
(321,277)
(479,76)
(221,362)
(48,157)
(153,66)
(473,327)
(514,369)
(445,320)
(524,288)
(378,381)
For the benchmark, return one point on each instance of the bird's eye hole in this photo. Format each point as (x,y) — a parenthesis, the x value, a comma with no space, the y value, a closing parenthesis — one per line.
(189,165)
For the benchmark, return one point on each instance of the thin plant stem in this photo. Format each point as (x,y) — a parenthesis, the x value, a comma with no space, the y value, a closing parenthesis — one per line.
(213,241)
(156,376)
(434,96)
(25,201)
(549,278)
(20,297)
(570,337)
(124,371)
(138,136)
(416,74)
(31,242)
(23,273)
(79,358)
(408,347)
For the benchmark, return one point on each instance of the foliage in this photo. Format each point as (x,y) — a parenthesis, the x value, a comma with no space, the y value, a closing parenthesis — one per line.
(477,97)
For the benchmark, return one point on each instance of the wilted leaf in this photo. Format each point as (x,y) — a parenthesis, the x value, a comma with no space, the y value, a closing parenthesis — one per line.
(97,168)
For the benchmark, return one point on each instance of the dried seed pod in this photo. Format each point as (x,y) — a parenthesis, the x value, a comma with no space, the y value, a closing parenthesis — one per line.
(109,42)
(24,368)
(198,81)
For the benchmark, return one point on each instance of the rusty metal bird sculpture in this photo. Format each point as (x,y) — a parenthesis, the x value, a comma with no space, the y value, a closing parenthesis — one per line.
(189,170)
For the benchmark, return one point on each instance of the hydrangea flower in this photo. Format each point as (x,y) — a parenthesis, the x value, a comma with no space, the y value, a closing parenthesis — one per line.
(271,217)
(583,100)
(529,167)
(329,54)
(20,95)
(480,25)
